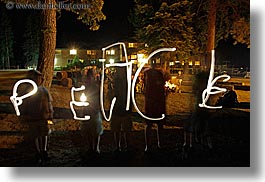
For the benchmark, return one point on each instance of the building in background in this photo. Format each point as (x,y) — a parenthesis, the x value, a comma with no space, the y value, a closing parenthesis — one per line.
(66,56)
(135,53)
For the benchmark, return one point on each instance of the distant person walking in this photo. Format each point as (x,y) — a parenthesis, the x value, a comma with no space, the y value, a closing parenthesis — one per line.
(36,110)
(155,103)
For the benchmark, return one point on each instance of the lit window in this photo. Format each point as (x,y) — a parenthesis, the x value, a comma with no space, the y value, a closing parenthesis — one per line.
(110,52)
(73,52)
(131,45)
(58,52)
(190,63)
(88,52)
(197,63)
(133,56)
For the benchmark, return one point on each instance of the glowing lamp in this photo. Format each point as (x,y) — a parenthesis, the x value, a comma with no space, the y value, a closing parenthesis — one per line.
(170,85)
(50,122)
(73,52)
(83,97)
(80,103)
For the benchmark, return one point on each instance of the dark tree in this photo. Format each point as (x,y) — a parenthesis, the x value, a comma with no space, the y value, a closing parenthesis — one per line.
(165,24)
(6,40)
(194,27)
(217,20)
(31,39)
(91,16)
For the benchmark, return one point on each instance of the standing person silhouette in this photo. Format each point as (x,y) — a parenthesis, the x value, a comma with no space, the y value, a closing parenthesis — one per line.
(92,129)
(121,123)
(155,103)
(36,110)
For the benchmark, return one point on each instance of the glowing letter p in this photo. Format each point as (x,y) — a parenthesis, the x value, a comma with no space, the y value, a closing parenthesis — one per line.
(16,101)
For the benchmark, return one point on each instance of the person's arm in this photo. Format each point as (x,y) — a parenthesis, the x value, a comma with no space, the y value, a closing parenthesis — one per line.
(47,104)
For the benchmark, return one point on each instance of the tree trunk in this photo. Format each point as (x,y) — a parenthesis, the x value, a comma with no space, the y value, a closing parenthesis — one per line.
(211,32)
(47,43)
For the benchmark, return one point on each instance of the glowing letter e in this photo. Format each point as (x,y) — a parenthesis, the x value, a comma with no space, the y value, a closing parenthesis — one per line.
(208,91)
(77,103)
(16,101)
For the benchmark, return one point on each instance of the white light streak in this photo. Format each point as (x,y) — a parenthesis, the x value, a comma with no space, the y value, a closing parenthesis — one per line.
(208,91)
(135,78)
(80,103)
(129,72)
(16,101)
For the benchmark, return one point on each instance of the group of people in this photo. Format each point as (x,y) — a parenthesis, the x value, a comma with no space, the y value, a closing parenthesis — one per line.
(91,130)
(121,122)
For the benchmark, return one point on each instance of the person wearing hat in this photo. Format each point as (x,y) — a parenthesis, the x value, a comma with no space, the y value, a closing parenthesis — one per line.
(36,110)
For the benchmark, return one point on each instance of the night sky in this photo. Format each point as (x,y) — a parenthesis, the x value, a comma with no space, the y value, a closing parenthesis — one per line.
(73,33)
(116,27)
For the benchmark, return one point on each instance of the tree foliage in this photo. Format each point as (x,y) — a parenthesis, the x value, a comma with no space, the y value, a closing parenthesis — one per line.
(232,20)
(6,40)
(165,24)
(31,39)
(90,14)
(184,24)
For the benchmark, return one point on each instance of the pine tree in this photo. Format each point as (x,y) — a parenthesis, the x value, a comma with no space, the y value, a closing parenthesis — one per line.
(91,16)
(6,40)
(165,24)
(232,19)
(191,25)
